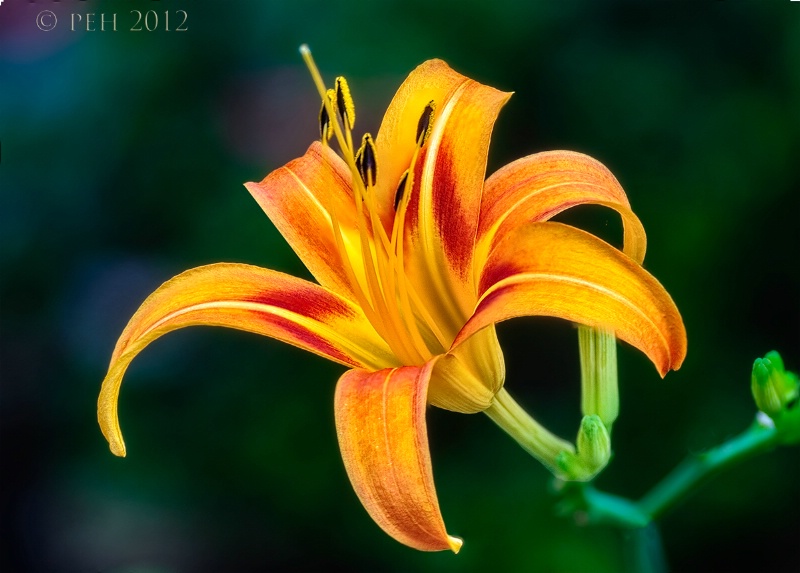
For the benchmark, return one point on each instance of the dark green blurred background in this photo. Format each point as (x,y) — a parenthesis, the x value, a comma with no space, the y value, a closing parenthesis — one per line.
(123,158)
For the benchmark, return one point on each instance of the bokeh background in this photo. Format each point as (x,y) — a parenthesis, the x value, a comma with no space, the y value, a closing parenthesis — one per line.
(121,164)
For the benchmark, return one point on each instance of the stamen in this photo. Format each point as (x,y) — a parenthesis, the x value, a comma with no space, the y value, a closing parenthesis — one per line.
(374,285)
(366,162)
(425,124)
(364,300)
(344,102)
(401,189)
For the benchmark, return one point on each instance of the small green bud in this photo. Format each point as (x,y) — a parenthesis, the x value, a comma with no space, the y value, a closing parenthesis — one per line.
(593,451)
(594,443)
(773,388)
(764,391)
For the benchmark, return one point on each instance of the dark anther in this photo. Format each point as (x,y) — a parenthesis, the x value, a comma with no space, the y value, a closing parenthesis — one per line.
(401,189)
(425,123)
(365,161)
(324,124)
(340,102)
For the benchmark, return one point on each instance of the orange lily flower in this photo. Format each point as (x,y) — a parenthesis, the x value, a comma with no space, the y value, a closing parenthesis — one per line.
(417,257)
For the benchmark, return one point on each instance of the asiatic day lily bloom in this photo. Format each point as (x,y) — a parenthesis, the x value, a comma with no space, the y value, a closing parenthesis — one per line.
(417,258)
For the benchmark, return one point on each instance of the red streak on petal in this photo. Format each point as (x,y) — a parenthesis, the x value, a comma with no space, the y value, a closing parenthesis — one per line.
(302,335)
(303,301)
(453,227)
(493,274)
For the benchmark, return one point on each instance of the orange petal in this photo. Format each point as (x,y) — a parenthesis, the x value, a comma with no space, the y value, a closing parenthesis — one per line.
(395,143)
(550,269)
(380,421)
(246,298)
(444,205)
(298,199)
(538,187)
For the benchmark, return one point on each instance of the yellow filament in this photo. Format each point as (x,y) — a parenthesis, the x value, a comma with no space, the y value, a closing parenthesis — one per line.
(426,317)
(406,289)
(375,265)
(398,264)
(413,347)
(400,310)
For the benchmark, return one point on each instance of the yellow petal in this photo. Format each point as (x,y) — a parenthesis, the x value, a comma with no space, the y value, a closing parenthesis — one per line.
(246,298)
(538,187)
(380,421)
(550,269)
(466,379)
(298,199)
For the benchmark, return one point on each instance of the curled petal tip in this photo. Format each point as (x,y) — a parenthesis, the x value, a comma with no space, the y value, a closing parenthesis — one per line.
(455,543)
(115,442)
(117,448)
(678,354)
(669,365)
(107,413)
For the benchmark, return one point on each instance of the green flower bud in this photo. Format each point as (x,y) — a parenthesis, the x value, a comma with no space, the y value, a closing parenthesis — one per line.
(773,387)
(764,391)
(593,451)
(594,443)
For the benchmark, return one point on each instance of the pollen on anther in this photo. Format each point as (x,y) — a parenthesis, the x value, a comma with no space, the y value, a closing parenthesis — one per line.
(344,103)
(425,124)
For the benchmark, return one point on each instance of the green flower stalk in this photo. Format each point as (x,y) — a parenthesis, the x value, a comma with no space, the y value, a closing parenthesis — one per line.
(599,403)
(599,388)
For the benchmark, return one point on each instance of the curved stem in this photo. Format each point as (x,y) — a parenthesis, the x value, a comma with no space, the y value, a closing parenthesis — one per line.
(598,507)
(697,469)
(534,438)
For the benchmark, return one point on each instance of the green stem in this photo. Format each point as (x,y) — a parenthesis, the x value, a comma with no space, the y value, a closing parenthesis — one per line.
(644,552)
(534,438)
(611,509)
(605,508)
(697,469)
